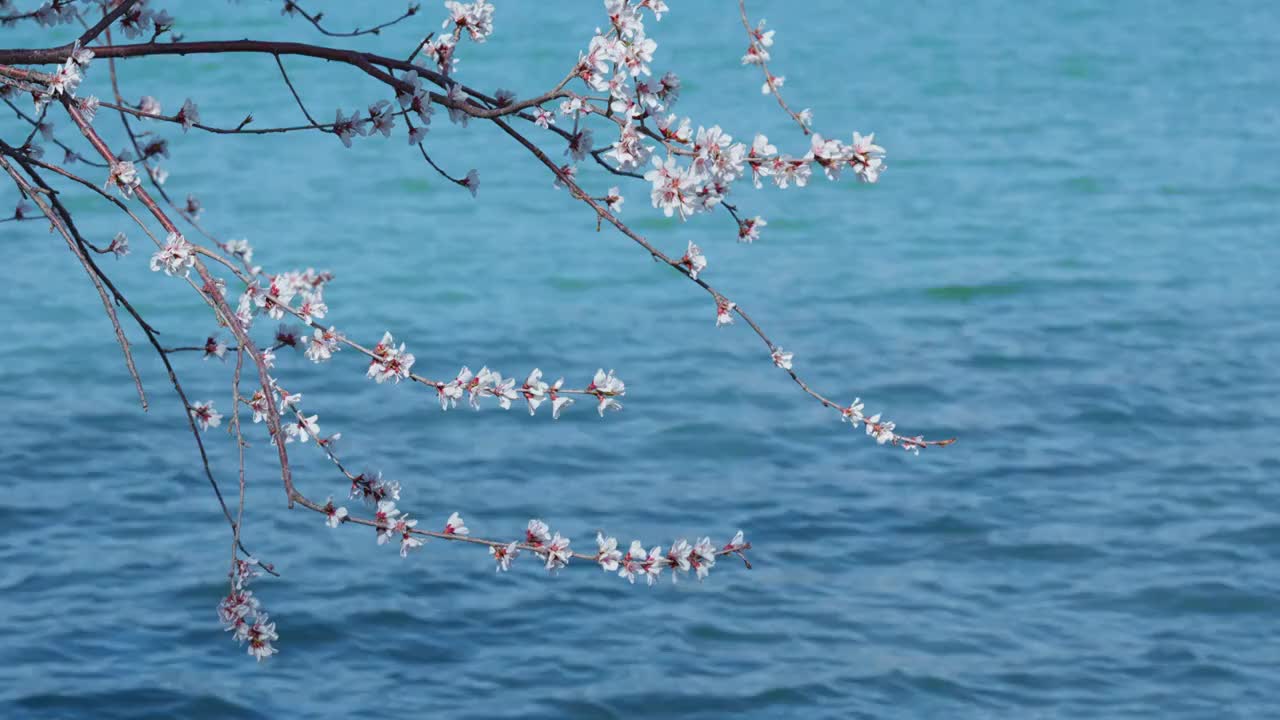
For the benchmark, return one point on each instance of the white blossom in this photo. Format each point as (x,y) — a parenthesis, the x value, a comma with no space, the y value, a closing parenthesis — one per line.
(703,557)
(558,401)
(389,362)
(175,257)
(302,430)
(558,552)
(260,636)
(119,245)
(381,119)
(614,200)
(537,533)
(408,542)
(853,413)
(608,556)
(503,555)
(215,346)
(451,392)
(189,115)
(652,566)
(866,158)
(724,312)
(124,176)
(607,388)
(476,18)
(632,563)
(149,105)
(334,516)
(504,390)
(322,346)
(455,526)
(694,260)
(205,416)
(534,390)
(385,517)
(348,127)
(749,229)
(457,105)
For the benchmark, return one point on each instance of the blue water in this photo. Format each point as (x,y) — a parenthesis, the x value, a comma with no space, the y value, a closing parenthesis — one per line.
(1071,265)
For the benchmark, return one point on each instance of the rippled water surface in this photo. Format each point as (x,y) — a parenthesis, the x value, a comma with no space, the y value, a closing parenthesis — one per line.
(1071,265)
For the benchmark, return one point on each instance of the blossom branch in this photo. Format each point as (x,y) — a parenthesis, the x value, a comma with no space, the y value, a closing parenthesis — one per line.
(758,54)
(273,418)
(62,220)
(78,251)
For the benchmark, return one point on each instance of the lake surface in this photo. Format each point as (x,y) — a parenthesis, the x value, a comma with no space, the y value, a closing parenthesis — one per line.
(1071,265)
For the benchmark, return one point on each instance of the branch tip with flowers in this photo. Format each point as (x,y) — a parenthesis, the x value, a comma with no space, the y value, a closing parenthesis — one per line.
(610,91)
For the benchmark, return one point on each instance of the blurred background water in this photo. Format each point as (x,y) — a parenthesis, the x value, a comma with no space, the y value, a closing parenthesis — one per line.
(1071,265)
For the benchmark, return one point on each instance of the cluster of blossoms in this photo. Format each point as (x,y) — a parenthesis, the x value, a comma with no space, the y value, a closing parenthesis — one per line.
(380,119)
(141,19)
(53,12)
(277,298)
(474,20)
(881,430)
(390,362)
(699,166)
(370,488)
(758,50)
(242,614)
(862,155)
(606,387)
(391,522)
(537,535)
(177,256)
(65,81)
(682,557)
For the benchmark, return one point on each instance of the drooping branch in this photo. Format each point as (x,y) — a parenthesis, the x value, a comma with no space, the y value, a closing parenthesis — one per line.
(215,298)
